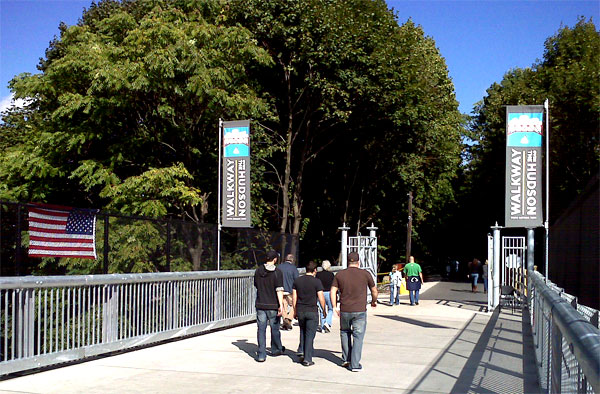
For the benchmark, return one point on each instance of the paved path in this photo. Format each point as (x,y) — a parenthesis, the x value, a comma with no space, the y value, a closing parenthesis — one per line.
(447,344)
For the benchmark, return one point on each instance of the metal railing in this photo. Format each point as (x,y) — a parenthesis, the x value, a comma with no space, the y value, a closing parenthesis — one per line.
(567,342)
(53,319)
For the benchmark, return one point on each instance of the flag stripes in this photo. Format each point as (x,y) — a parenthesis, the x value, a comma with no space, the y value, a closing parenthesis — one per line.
(62,232)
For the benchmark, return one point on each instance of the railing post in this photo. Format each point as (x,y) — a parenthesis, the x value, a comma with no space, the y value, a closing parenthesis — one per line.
(496,265)
(110,321)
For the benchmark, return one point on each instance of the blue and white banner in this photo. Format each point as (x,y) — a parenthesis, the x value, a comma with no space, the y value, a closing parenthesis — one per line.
(236,174)
(524,135)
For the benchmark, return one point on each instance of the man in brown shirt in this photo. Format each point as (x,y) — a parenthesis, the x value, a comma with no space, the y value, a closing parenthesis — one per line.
(352,284)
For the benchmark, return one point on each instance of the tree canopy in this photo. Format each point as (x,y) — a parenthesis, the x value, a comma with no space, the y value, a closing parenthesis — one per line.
(350,111)
(568,76)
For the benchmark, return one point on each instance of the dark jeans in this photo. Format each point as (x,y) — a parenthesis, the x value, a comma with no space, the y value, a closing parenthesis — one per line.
(264,317)
(352,332)
(308,322)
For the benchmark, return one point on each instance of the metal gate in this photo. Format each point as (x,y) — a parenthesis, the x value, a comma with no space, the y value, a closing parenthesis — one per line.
(513,262)
(366,247)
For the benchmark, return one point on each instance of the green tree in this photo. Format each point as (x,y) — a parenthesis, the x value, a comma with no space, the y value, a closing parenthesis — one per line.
(123,114)
(365,112)
(568,76)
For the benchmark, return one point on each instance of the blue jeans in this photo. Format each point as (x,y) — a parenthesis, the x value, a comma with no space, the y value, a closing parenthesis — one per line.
(329,318)
(414,296)
(475,278)
(308,322)
(264,317)
(394,291)
(485,282)
(352,332)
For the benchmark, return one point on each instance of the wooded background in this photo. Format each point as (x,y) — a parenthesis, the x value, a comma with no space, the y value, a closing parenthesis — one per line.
(350,111)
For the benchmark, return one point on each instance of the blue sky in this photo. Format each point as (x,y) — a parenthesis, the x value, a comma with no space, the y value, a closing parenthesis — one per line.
(480,39)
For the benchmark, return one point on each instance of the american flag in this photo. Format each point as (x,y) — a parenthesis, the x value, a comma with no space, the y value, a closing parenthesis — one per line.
(56,231)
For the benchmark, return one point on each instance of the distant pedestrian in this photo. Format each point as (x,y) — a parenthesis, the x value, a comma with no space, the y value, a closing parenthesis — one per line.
(290,273)
(306,291)
(352,284)
(326,278)
(414,279)
(474,268)
(395,283)
(484,275)
(268,280)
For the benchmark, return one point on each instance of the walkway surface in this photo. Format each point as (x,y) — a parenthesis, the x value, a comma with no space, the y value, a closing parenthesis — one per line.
(447,344)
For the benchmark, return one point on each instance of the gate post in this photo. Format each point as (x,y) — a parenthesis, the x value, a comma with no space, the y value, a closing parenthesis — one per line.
(496,265)
(344,245)
(490,275)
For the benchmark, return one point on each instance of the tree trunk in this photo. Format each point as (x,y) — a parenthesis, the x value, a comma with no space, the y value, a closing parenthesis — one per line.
(288,158)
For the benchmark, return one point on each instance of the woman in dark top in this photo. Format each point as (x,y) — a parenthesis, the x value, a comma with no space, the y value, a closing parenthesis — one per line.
(326,277)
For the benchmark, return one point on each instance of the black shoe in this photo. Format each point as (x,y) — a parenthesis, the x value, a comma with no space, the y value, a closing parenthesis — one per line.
(260,360)
(275,354)
(346,364)
(417,303)
(359,369)
(299,354)
(325,329)
(307,363)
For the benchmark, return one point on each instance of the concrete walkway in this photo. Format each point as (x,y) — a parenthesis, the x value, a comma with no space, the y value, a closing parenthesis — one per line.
(447,344)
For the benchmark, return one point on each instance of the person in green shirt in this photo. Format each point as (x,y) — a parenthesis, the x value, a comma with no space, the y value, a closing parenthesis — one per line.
(414,279)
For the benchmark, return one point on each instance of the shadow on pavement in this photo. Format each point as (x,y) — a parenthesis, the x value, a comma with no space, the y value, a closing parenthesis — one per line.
(250,349)
(413,322)
(490,366)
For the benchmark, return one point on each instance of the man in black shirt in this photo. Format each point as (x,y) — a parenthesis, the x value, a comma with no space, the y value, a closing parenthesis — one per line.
(307,289)
(326,278)
(268,281)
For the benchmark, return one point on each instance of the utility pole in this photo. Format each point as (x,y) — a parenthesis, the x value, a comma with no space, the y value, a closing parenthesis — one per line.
(409,229)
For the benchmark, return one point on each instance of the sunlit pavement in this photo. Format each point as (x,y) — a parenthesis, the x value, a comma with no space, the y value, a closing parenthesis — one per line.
(447,344)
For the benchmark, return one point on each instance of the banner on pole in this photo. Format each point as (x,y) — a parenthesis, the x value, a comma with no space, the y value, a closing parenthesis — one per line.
(236,174)
(524,132)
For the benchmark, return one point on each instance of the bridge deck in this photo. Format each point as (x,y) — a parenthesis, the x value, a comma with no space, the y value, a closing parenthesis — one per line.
(446,344)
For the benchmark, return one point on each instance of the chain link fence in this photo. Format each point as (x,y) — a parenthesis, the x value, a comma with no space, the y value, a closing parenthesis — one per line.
(135,244)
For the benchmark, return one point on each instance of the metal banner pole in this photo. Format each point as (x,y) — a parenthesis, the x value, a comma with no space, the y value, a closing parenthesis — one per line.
(547,223)
(219,180)
(344,245)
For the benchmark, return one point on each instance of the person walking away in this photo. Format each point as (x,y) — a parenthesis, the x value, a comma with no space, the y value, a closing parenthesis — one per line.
(307,290)
(268,280)
(352,284)
(474,267)
(414,279)
(395,282)
(326,278)
(484,275)
(290,273)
